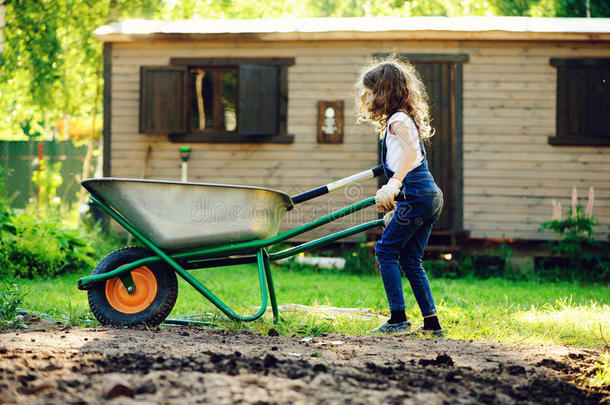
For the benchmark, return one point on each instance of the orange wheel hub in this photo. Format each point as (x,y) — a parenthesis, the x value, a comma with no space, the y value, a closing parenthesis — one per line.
(146,291)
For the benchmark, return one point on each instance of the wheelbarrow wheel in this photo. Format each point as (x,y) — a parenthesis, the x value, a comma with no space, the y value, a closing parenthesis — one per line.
(155,295)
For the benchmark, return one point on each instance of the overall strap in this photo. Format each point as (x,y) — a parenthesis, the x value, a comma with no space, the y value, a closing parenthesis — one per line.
(388,173)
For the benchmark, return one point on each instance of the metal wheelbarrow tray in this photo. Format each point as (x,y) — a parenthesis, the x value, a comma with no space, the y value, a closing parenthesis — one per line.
(189,226)
(175,215)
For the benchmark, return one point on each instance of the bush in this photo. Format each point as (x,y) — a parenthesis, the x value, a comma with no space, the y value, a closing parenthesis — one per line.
(577,255)
(34,245)
(10,298)
(42,247)
(360,259)
(489,264)
(441,268)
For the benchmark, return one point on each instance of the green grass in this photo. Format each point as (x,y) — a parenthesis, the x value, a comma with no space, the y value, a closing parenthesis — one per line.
(493,309)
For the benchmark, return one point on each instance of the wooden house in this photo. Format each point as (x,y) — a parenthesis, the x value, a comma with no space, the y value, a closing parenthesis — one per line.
(521,108)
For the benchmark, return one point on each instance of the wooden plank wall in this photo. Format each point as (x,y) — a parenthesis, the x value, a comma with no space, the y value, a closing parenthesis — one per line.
(511,173)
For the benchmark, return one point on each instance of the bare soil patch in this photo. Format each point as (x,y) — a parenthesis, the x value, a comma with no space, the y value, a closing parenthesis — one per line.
(183,365)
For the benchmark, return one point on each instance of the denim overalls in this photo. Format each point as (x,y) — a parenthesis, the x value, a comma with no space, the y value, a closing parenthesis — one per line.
(404,239)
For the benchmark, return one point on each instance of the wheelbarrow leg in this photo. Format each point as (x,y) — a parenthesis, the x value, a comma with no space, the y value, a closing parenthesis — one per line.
(270,287)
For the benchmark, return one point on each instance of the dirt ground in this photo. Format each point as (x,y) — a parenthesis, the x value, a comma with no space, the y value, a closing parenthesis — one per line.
(53,364)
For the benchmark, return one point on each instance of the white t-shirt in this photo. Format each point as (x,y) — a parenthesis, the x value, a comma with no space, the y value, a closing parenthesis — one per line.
(394,150)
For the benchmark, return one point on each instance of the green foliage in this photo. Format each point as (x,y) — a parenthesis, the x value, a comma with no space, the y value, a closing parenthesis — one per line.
(584,258)
(440,268)
(48,179)
(576,229)
(32,245)
(181,9)
(49,46)
(11,297)
(34,26)
(482,266)
(42,247)
(5,215)
(360,259)
(555,8)
(493,262)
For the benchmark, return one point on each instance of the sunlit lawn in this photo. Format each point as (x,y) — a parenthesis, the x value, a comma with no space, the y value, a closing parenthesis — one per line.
(494,309)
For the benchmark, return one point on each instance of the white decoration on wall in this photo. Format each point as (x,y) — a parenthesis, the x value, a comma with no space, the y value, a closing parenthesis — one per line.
(330,125)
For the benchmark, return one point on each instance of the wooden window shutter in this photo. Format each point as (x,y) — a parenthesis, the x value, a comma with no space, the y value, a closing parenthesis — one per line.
(583,99)
(163,99)
(575,101)
(562,106)
(258,100)
(598,103)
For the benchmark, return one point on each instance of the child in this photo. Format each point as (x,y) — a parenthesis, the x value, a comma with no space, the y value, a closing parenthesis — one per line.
(394,99)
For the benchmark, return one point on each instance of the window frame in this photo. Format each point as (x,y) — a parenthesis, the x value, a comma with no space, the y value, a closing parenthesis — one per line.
(562,137)
(215,136)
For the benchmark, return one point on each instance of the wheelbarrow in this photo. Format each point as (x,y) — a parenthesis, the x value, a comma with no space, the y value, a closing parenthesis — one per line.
(188,226)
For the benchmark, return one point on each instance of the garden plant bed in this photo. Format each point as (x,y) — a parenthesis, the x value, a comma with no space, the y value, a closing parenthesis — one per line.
(53,363)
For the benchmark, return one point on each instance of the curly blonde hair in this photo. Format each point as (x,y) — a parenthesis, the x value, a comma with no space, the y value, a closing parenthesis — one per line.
(395,85)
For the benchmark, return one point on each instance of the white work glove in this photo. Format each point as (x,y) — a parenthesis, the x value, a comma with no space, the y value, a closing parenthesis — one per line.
(386,194)
(387,217)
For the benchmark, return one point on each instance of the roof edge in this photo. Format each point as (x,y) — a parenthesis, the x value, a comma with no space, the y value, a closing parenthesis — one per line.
(356,28)
(495,35)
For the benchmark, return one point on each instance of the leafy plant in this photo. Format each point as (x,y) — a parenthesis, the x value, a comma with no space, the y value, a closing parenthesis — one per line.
(583,256)
(42,247)
(6,223)
(573,233)
(10,298)
(31,245)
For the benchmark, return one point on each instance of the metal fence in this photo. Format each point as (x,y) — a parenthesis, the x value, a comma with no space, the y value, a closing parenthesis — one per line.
(21,159)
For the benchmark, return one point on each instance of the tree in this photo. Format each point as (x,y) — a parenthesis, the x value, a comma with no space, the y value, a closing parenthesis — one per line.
(52,65)
(553,8)
(2,9)
(178,9)
(580,8)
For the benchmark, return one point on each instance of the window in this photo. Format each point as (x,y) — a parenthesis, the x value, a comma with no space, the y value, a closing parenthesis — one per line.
(583,102)
(213,105)
(216,100)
